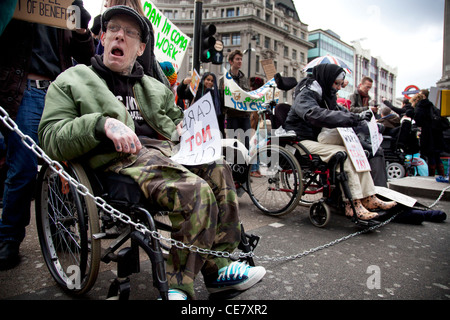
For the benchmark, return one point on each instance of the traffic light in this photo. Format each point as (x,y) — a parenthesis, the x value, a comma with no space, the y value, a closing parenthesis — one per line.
(207,42)
(217,57)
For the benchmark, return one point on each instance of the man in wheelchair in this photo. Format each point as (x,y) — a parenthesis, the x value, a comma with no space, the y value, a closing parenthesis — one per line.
(115,118)
(315,108)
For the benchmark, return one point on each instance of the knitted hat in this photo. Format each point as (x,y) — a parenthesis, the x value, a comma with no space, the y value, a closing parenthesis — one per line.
(169,71)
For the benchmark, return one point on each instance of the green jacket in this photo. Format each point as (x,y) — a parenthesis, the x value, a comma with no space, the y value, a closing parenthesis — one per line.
(77,105)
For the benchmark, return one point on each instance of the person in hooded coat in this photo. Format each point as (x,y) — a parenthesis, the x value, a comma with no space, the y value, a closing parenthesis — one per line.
(315,108)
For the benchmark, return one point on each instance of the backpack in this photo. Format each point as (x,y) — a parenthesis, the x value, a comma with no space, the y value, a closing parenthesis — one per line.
(437,121)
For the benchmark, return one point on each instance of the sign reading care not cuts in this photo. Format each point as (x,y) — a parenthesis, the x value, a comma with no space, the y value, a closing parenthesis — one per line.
(201,139)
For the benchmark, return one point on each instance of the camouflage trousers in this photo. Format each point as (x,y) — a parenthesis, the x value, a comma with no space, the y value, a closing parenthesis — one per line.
(203,208)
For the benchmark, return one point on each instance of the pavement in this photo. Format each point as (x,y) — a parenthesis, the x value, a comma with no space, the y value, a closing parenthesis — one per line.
(395,262)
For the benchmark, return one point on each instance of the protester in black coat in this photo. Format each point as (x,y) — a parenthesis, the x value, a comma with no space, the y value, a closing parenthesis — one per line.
(431,138)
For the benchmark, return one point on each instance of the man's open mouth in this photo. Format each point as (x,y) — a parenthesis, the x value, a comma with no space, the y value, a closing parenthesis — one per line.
(117,52)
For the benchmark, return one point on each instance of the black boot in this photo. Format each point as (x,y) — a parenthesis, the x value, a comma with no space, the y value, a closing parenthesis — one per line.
(9,254)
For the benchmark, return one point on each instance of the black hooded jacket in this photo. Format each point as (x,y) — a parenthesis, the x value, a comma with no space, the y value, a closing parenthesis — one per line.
(315,105)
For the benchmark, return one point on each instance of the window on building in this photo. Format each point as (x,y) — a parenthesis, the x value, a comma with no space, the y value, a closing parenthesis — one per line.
(230,13)
(286,52)
(257,64)
(236,39)
(294,54)
(302,57)
(225,39)
(267,42)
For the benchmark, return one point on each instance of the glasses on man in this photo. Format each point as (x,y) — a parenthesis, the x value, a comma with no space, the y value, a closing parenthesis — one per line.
(129,32)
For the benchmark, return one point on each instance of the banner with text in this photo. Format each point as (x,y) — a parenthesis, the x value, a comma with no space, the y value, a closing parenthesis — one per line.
(171,43)
(241,100)
(201,141)
(354,149)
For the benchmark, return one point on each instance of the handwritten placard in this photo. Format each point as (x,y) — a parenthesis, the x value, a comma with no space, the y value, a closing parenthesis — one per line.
(354,149)
(55,13)
(171,43)
(201,139)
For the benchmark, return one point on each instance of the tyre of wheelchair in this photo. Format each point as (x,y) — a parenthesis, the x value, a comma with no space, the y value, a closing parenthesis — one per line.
(66,222)
(278,191)
(395,170)
(319,214)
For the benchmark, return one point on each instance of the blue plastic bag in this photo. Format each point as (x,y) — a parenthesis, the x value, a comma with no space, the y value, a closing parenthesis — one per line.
(420,165)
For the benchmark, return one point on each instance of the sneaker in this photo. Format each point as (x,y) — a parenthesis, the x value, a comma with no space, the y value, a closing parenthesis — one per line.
(237,276)
(175,294)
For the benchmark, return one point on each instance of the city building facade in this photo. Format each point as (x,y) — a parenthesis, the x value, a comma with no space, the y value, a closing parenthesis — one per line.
(384,76)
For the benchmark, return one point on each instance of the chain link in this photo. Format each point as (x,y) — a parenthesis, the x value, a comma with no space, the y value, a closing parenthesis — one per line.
(101,203)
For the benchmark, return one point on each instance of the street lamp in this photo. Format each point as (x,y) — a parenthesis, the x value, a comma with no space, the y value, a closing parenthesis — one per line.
(249,51)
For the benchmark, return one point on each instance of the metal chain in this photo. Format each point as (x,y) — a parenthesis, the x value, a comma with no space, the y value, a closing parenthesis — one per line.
(84,191)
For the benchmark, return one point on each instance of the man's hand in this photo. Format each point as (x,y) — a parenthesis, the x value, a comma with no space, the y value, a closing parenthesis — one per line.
(124,139)
(180,130)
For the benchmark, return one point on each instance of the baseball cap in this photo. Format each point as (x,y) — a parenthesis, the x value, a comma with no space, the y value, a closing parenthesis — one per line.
(115,10)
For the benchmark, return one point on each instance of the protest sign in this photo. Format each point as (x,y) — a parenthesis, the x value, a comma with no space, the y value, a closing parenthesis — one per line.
(375,136)
(171,43)
(269,68)
(354,149)
(238,99)
(195,82)
(55,13)
(201,139)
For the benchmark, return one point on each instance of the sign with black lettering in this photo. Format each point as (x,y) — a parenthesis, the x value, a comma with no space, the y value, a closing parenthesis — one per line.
(201,141)
(55,13)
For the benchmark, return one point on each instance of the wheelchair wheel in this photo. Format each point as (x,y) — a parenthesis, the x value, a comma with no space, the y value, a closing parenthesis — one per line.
(279,190)
(395,171)
(65,222)
(319,214)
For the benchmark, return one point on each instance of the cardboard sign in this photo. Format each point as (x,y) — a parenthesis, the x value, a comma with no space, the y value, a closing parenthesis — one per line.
(201,141)
(269,68)
(195,82)
(354,149)
(170,43)
(238,99)
(55,13)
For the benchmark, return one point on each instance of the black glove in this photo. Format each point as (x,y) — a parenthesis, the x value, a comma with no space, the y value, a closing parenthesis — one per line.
(365,116)
(85,17)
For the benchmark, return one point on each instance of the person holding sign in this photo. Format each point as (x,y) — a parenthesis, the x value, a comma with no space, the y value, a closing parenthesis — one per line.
(236,120)
(32,56)
(208,83)
(119,119)
(315,108)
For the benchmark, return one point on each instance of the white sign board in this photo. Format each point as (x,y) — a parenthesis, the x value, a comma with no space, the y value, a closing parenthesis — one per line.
(375,136)
(236,98)
(201,139)
(354,149)
(170,43)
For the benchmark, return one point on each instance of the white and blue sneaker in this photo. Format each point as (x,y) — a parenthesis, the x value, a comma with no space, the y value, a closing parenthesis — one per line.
(175,294)
(237,276)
